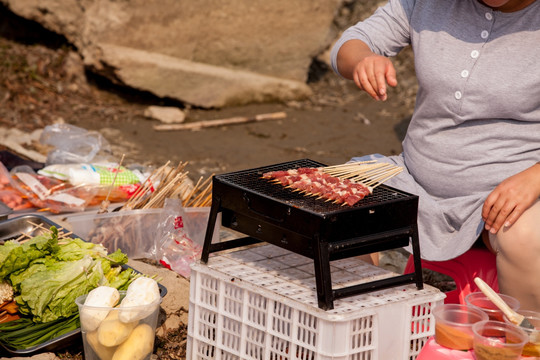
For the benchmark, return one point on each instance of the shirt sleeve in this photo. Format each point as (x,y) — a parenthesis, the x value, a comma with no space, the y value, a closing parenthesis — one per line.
(386,32)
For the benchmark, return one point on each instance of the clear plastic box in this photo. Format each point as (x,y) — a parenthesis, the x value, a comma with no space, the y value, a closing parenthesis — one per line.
(260,303)
(134,231)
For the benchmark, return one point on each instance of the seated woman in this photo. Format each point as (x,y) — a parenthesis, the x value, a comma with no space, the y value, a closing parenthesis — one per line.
(472,149)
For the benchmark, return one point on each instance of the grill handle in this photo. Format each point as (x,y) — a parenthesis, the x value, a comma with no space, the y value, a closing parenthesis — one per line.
(248,203)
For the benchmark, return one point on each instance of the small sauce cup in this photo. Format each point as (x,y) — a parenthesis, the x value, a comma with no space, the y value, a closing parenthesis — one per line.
(532,346)
(453,325)
(481,301)
(496,340)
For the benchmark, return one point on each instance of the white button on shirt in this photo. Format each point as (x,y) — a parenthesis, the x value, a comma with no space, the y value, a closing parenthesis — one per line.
(457,95)
(484,34)
(474,54)
(465,73)
(489,16)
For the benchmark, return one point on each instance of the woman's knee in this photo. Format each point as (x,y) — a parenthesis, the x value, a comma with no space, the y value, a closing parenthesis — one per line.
(522,238)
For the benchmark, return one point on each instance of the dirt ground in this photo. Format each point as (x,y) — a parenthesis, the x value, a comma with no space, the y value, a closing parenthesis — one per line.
(42,81)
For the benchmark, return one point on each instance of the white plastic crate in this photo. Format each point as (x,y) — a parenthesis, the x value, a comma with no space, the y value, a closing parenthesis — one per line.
(261,304)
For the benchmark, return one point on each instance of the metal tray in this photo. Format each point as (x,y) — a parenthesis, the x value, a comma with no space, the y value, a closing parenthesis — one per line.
(4,211)
(13,228)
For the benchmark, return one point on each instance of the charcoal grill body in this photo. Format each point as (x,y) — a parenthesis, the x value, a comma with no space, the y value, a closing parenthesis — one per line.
(322,231)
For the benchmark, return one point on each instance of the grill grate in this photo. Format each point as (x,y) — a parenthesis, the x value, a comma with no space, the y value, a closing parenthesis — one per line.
(252,180)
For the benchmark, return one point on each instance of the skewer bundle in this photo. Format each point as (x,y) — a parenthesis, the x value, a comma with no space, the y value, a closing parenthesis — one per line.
(167,182)
(369,173)
(343,184)
(164,183)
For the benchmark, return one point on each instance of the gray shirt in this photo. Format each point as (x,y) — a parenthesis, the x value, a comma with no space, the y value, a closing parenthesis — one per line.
(477,115)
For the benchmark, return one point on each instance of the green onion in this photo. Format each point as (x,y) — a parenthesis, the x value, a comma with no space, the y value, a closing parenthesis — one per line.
(24,333)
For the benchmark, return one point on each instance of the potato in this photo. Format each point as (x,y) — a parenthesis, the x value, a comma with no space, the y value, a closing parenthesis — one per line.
(102,296)
(138,345)
(104,353)
(113,332)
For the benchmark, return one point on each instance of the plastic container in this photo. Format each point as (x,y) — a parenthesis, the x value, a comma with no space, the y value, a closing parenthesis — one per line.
(453,325)
(124,332)
(135,231)
(261,303)
(481,301)
(496,340)
(532,346)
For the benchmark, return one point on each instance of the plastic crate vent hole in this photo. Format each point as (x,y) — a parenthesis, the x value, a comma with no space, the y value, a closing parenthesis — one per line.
(362,333)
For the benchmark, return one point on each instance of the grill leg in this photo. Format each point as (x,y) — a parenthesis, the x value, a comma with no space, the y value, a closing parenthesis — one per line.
(323,277)
(417,259)
(212,218)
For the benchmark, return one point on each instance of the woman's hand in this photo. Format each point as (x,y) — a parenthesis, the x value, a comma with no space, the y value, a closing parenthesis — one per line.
(372,75)
(511,198)
(370,72)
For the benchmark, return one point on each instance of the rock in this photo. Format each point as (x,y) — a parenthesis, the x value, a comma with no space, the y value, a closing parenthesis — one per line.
(250,48)
(197,83)
(165,114)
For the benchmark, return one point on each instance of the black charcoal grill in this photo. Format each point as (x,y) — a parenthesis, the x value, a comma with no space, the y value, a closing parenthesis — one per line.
(322,231)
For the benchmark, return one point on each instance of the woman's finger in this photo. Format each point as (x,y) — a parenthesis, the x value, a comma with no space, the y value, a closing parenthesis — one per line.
(366,85)
(501,218)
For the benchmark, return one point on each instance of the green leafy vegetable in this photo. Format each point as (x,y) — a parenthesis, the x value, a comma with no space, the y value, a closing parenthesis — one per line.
(50,294)
(15,256)
(50,275)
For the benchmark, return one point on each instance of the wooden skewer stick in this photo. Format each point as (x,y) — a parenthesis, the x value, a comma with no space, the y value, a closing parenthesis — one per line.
(220,122)
(364,173)
(351,166)
(160,195)
(208,186)
(188,198)
(372,174)
(105,203)
(388,176)
(356,163)
(142,191)
(363,170)
(207,201)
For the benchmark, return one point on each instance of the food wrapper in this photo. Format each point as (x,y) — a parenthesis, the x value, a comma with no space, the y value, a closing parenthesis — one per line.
(92,174)
(10,196)
(51,194)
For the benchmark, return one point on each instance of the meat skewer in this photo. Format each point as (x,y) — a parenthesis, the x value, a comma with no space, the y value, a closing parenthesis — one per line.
(343,184)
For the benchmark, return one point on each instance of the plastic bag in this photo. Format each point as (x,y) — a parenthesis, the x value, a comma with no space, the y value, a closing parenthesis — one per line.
(11,197)
(51,194)
(102,176)
(93,174)
(73,144)
(175,249)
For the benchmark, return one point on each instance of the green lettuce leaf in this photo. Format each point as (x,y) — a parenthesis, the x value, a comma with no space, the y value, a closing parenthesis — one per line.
(50,294)
(15,256)
(48,274)
(76,249)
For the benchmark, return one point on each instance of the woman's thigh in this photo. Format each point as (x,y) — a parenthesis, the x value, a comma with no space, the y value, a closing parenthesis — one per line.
(518,258)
